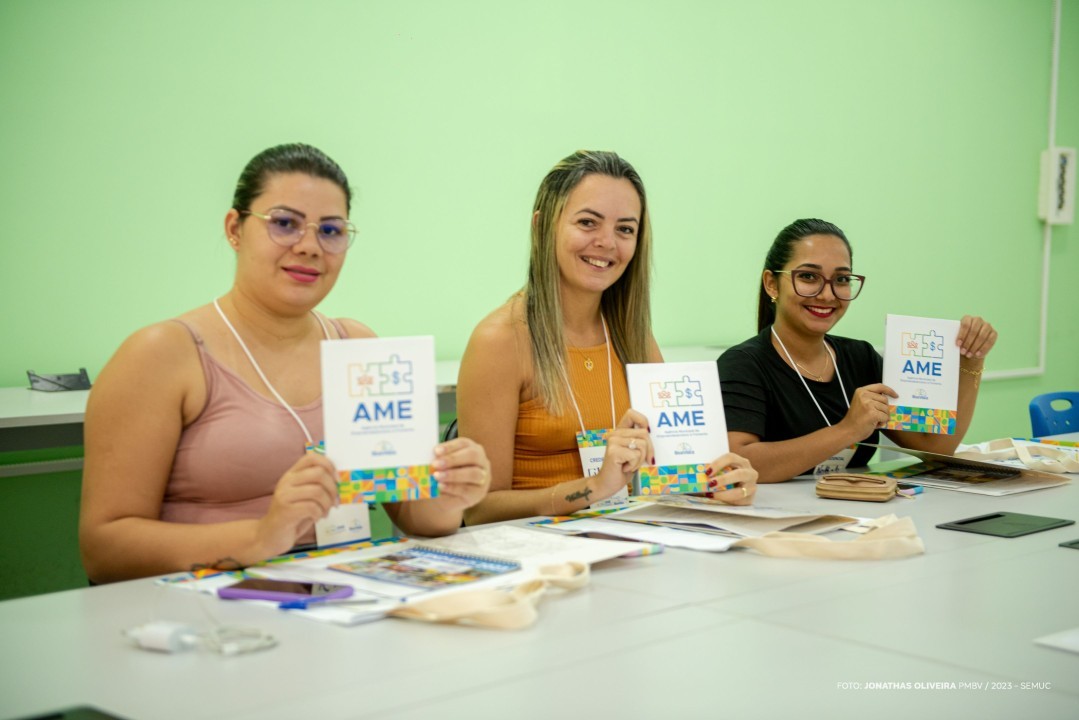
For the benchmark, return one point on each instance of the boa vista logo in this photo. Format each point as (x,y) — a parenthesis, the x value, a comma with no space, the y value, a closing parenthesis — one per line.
(384,448)
(683,448)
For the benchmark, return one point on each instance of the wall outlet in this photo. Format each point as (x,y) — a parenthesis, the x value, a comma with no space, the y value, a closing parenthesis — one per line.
(1056,189)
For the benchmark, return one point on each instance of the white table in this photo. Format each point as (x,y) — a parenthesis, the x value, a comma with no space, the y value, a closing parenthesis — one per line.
(680,634)
(33,420)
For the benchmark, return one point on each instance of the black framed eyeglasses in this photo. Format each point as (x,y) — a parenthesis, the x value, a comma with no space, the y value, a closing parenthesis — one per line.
(810,284)
(287,229)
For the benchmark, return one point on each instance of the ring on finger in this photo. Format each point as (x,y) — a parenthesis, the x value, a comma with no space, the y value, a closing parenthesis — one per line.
(745,492)
(632,445)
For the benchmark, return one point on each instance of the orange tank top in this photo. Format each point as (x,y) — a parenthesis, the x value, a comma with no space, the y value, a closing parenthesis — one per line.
(545,446)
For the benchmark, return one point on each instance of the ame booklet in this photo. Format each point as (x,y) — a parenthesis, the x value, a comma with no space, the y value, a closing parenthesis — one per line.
(921,363)
(380,415)
(684,407)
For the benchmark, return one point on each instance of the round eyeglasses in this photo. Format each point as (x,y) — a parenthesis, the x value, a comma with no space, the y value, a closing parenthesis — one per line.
(810,284)
(287,229)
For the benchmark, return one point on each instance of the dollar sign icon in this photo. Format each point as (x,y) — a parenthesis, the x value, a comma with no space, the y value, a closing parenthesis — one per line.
(396,378)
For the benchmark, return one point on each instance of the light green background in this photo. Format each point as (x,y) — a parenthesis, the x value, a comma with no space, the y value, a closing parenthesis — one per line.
(915,125)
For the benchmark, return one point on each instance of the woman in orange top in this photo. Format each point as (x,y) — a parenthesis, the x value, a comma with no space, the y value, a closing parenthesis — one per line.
(549,363)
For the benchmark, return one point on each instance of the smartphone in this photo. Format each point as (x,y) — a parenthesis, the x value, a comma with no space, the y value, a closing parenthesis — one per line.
(282,590)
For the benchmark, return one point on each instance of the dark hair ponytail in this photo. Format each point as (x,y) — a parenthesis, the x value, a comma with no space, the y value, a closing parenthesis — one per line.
(289,158)
(780,254)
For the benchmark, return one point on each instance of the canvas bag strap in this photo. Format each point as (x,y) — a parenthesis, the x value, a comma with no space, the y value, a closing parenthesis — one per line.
(1042,459)
(499,609)
(891,538)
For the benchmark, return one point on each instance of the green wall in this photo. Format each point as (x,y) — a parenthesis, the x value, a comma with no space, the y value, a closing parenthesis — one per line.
(915,125)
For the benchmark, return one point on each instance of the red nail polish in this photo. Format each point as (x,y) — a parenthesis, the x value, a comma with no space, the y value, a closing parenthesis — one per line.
(708,471)
(653,459)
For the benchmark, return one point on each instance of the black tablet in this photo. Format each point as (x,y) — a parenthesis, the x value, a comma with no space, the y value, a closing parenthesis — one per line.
(1006,524)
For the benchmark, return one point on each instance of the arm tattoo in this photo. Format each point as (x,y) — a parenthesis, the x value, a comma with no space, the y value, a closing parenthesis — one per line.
(585,493)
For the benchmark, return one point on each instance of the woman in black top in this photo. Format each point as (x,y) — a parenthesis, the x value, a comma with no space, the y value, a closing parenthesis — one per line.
(798,399)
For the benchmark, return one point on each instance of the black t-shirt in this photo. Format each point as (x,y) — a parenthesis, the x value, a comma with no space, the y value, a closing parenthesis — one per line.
(764,396)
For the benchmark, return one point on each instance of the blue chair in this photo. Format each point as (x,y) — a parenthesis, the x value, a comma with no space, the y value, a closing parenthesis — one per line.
(1045,419)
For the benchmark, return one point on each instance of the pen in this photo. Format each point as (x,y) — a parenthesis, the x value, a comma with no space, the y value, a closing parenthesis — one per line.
(304,603)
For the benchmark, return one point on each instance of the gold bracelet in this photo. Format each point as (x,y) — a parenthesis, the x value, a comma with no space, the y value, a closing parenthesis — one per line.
(968,371)
(550,500)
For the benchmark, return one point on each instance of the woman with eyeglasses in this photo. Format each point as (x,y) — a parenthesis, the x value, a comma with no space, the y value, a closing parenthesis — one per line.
(543,376)
(199,429)
(797,398)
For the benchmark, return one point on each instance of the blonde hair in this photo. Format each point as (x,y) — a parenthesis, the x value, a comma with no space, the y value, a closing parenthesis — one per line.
(625,305)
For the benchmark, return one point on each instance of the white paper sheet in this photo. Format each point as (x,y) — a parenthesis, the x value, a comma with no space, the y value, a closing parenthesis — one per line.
(1067,640)
(668,537)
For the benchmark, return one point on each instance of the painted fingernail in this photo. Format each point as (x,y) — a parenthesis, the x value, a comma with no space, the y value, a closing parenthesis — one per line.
(438,475)
(708,471)
(653,459)
(712,484)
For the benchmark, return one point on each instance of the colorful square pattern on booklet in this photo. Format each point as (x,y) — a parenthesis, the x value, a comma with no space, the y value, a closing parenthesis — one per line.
(923,420)
(672,479)
(382,485)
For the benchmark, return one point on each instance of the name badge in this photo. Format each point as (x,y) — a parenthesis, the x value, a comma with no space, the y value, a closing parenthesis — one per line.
(837,462)
(346,523)
(592,446)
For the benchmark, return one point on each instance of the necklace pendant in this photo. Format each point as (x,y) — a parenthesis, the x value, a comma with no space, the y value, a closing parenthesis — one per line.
(588,364)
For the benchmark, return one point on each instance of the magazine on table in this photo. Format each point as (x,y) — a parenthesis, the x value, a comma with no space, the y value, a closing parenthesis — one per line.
(964,475)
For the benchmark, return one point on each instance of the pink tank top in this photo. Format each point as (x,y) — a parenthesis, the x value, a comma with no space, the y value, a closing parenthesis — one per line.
(230,458)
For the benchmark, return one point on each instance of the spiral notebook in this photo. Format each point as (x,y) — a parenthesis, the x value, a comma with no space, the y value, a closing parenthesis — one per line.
(428,568)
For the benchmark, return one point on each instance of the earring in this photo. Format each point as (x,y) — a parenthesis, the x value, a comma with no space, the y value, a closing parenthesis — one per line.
(773,299)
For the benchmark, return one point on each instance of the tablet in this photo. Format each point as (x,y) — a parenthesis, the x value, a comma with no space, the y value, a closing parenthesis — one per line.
(1006,524)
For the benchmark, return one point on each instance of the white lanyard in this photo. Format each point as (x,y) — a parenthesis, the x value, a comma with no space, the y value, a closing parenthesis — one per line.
(805,384)
(610,381)
(272,389)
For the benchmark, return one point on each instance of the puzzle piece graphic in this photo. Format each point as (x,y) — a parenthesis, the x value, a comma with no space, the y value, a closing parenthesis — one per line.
(932,345)
(393,377)
(688,392)
(677,393)
(926,345)
(360,381)
(396,376)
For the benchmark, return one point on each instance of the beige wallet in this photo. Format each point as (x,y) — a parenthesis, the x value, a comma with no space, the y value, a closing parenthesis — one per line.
(850,486)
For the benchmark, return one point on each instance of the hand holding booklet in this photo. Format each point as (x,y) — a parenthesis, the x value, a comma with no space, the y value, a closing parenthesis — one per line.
(921,363)
(684,407)
(380,419)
